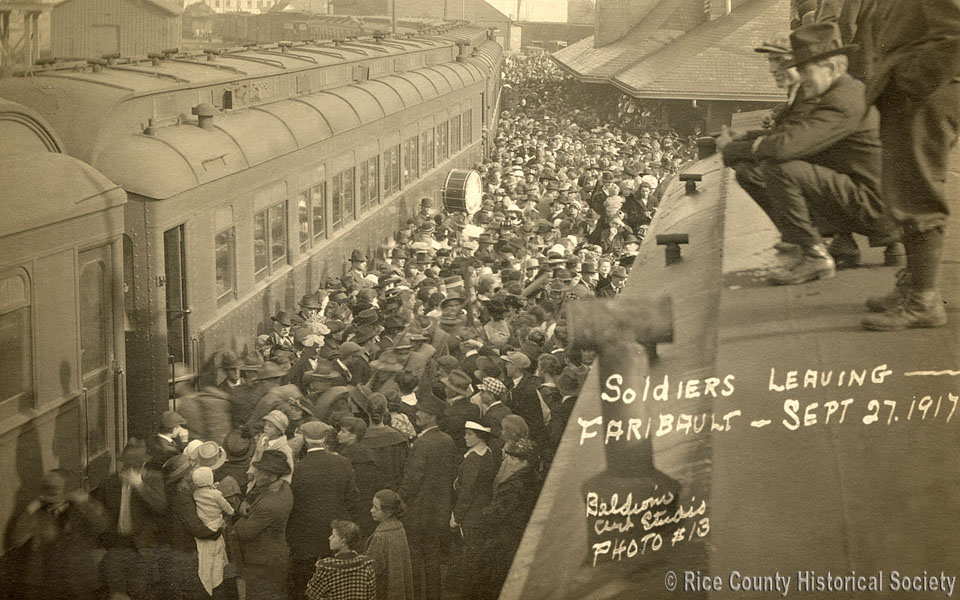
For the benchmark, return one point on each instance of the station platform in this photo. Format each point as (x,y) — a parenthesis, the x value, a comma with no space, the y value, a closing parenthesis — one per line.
(825,449)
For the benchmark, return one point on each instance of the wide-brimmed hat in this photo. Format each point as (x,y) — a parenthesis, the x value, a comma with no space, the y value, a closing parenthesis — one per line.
(388,362)
(252,361)
(273,461)
(619,272)
(366,333)
(478,428)
(457,381)
(367,316)
(229,360)
(310,301)
(357,256)
(176,468)
(271,369)
(325,369)
(211,455)
(816,41)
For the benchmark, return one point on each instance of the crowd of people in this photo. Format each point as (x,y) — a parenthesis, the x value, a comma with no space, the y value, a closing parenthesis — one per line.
(388,437)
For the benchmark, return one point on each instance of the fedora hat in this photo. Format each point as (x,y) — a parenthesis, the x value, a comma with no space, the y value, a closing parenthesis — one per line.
(270,370)
(388,362)
(273,461)
(366,333)
(252,361)
(176,468)
(310,301)
(357,256)
(816,41)
(237,445)
(457,381)
(283,318)
(778,44)
(229,360)
(211,455)
(433,406)
(324,370)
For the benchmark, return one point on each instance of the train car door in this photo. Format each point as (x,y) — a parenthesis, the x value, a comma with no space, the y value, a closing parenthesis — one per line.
(97,361)
(174,266)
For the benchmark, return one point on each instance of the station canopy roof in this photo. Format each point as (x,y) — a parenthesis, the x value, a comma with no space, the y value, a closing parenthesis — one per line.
(675,52)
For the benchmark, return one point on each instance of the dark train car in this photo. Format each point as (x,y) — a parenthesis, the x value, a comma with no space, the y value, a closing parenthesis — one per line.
(252,175)
(61,311)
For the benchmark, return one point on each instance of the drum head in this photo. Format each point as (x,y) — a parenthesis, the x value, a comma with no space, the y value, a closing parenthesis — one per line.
(473,193)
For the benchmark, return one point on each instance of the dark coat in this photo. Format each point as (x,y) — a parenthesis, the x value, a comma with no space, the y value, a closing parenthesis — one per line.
(148,507)
(391,448)
(829,130)
(160,450)
(366,470)
(324,488)
(474,485)
(427,484)
(919,46)
(391,561)
(262,532)
(495,415)
(524,401)
(456,415)
(182,526)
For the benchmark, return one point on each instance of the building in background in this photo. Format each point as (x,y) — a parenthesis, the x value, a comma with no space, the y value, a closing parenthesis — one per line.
(696,54)
(94,28)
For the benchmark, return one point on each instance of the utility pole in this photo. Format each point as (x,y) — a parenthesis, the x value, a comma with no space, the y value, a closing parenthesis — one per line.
(393,17)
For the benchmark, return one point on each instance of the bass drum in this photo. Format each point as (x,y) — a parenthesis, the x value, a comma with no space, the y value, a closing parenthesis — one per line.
(463,191)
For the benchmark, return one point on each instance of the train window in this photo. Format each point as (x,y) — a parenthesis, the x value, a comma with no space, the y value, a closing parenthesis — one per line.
(16,376)
(369,183)
(303,220)
(260,257)
(318,207)
(411,158)
(226,265)
(455,134)
(93,302)
(391,171)
(468,127)
(278,234)
(428,160)
(443,141)
(342,198)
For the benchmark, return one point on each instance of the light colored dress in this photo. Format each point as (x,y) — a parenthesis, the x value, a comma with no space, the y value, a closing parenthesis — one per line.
(212,554)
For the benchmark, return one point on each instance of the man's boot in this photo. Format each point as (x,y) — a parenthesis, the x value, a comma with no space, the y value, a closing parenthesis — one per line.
(918,309)
(900,292)
(844,251)
(815,263)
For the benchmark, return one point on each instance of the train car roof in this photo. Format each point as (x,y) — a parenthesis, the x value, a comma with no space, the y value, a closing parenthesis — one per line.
(23,130)
(104,123)
(42,188)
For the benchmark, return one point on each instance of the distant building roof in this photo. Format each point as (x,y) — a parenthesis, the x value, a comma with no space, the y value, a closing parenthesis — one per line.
(162,5)
(675,53)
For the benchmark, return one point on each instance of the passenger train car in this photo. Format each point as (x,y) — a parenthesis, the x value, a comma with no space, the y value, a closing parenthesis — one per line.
(61,310)
(251,174)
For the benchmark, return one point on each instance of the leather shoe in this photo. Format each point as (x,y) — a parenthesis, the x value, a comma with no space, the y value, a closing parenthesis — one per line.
(901,290)
(816,263)
(844,250)
(917,310)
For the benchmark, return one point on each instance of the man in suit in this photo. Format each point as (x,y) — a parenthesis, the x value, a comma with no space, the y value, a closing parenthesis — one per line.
(324,489)
(917,90)
(459,408)
(427,489)
(819,167)
(522,398)
(261,528)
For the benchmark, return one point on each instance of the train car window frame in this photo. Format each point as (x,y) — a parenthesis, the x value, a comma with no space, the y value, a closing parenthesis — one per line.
(467,127)
(342,198)
(225,295)
(368,184)
(261,225)
(443,141)
(391,170)
(19,345)
(411,160)
(318,210)
(428,150)
(455,133)
(278,216)
(264,232)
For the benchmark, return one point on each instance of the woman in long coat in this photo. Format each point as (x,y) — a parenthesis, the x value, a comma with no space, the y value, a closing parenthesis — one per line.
(503,520)
(388,548)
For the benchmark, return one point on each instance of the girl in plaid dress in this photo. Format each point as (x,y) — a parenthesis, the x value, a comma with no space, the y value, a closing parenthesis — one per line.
(348,575)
